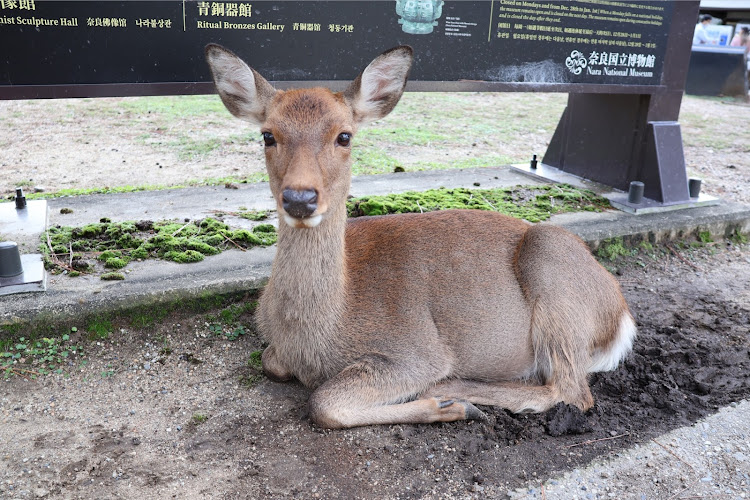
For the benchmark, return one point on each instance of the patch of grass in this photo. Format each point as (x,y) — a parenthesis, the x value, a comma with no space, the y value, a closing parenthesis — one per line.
(227,323)
(89,191)
(613,248)
(738,238)
(255,359)
(34,358)
(250,381)
(198,418)
(145,317)
(210,181)
(532,203)
(415,136)
(255,368)
(486,161)
(190,149)
(705,237)
(373,160)
(175,107)
(99,329)
(108,372)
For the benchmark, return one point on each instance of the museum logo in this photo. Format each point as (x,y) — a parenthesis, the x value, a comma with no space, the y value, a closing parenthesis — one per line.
(626,64)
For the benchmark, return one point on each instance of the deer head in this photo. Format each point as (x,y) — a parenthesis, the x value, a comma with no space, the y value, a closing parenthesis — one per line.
(308,133)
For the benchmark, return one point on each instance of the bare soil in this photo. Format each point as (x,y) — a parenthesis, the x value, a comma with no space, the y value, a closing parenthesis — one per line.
(113,142)
(173,411)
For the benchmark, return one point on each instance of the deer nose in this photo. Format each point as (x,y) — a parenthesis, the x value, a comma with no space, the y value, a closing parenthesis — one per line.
(299,203)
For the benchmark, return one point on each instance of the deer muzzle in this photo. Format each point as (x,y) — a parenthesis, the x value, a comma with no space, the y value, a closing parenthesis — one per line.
(299,203)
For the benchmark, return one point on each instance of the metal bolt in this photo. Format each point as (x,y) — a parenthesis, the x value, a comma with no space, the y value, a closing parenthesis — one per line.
(694,187)
(533,162)
(635,193)
(20,199)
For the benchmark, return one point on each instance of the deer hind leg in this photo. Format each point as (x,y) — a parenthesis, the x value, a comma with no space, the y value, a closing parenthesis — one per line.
(516,397)
(561,364)
(376,390)
(561,354)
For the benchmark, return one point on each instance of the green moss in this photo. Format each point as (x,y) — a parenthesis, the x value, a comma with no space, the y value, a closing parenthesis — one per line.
(245,236)
(254,215)
(613,248)
(210,225)
(184,257)
(202,247)
(109,254)
(126,241)
(139,253)
(112,276)
(533,203)
(89,230)
(115,263)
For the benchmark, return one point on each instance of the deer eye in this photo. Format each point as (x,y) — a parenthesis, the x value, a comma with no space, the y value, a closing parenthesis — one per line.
(269,139)
(344,139)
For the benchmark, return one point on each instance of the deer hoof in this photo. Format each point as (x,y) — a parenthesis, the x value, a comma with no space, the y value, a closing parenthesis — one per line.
(461,410)
(472,412)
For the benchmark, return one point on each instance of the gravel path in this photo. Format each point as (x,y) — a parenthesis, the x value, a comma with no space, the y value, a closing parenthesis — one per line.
(710,459)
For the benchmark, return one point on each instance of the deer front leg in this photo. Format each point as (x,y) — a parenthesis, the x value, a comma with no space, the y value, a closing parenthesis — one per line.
(272,367)
(375,390)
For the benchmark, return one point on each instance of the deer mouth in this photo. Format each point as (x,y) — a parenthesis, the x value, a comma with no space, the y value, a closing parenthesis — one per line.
(303,222)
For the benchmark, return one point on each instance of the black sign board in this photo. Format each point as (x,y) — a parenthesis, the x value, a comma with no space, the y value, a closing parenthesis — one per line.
(156,47)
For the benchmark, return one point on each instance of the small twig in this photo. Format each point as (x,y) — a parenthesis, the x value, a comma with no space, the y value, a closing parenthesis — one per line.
(49,243)
(590,441)
(54,257)
(18,370)
(683,490)
(183,227)
(683,259)
(70,246)
(690,485)
(544,493)
(420,207)
(673,454)
(227,238)
(487,202)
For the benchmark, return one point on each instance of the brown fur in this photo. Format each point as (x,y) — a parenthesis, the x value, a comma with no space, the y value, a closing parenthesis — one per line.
(411,318)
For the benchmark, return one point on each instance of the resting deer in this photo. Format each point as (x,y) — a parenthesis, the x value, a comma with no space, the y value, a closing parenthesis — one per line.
(412,318)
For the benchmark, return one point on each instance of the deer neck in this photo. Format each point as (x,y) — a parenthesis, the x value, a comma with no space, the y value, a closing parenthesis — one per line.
(308,291)
(314,258)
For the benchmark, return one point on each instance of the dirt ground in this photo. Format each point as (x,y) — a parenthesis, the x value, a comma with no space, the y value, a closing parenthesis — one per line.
(172,411)
(113,142)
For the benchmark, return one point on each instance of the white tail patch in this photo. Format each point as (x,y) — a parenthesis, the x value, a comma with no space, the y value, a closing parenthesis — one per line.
(604,361)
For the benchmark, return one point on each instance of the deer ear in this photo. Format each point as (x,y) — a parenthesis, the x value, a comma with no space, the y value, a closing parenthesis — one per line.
(243,91)
(377,90)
